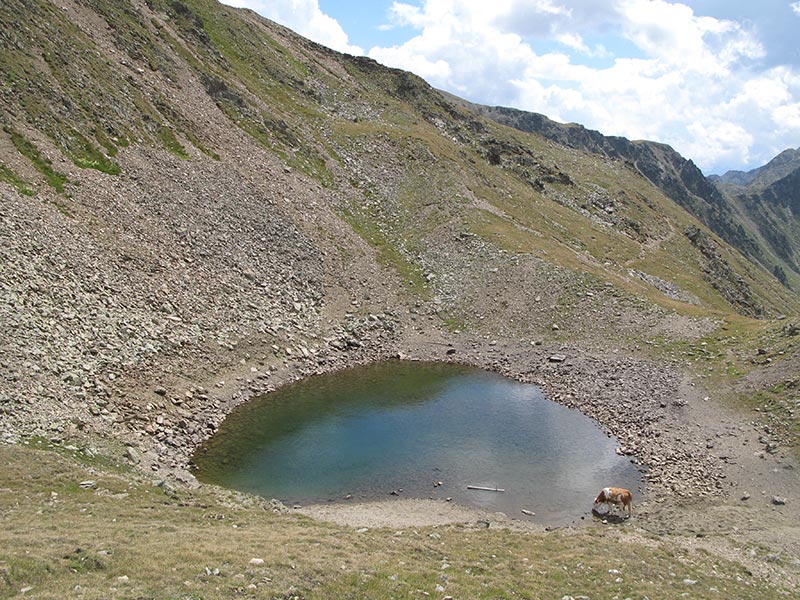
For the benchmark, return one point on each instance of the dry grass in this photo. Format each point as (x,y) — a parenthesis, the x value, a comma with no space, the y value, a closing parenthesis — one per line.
(130,539)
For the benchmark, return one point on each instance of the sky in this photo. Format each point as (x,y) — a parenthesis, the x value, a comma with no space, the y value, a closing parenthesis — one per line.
(718,80)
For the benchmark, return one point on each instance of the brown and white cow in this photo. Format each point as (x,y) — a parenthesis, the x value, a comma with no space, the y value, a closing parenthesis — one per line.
(613,497)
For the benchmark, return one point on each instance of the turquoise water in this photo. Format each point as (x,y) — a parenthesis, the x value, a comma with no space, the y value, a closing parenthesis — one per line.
(372,430)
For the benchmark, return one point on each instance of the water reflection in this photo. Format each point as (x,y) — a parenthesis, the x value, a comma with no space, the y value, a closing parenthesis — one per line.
(371,430)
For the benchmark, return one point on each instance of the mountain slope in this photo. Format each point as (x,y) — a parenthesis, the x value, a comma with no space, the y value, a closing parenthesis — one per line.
(198,205)
(244,75)
(210,180)
(755,237)
(767,198)
(227,181)
(775,209)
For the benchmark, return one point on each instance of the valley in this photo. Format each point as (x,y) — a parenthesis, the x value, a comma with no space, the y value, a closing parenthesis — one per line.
(198,206)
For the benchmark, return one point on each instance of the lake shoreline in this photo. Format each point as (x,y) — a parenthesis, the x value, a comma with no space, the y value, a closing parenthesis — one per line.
(428,430)
(700,457)
(415,512)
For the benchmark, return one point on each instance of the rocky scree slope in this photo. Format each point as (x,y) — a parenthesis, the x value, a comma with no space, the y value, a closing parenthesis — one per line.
(198,205)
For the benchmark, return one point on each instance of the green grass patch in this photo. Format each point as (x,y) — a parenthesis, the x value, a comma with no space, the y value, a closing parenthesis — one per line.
(81,450)
(98,163)
(720,356)
(783,401)
(388,252)
(87,156)
(312,164)
(53,178)
(82,152)
(200,146)
(127,538)
(7,175)
(737,348)
(105,142)
(454,321)
(167,137)
(779,405)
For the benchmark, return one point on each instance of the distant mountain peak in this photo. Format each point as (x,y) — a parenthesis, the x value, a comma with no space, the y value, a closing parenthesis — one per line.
(778,168)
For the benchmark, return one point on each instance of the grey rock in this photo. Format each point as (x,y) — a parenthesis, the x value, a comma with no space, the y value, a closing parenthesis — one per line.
(277,506)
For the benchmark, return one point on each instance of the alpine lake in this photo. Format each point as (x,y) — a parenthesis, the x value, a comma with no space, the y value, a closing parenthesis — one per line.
(418,430)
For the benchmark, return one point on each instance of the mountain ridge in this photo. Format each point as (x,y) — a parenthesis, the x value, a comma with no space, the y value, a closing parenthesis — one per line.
(777,168)
(768,197)
(758,237)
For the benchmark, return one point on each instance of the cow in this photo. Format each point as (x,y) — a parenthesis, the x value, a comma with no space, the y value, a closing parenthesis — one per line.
(613,497)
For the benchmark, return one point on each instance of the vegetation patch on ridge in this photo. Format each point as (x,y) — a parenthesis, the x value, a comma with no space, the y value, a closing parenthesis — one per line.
(25,147)
(7,175)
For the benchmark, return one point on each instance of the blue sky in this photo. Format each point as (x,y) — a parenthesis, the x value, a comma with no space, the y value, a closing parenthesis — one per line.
(362,21)
(719,80)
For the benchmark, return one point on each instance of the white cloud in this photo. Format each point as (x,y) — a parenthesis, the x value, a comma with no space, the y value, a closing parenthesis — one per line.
(574,41)
(674,35)
(684,79)
(716,139)
(796,8)
(544,18)
(306,18)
